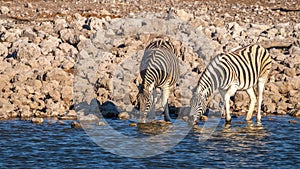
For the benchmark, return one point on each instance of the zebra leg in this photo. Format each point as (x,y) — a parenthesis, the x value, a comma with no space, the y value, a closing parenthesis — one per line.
(152,110)
(221,104)
(230,92)
(252,103)
(165,96)
(261,84)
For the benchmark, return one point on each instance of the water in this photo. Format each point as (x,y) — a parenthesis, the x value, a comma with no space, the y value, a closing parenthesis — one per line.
(276,144)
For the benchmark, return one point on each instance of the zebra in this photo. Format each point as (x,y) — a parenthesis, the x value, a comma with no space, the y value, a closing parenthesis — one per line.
(159,68)
(242,69)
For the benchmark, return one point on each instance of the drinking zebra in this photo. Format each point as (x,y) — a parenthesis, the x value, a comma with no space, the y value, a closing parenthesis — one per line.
(159,69)
(242,69)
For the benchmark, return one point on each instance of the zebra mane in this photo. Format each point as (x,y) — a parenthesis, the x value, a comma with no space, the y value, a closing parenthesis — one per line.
(201,88)
(164,43)
(203,93)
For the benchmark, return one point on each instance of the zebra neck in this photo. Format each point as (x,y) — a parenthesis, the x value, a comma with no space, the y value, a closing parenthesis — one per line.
(210,80)
(204,92)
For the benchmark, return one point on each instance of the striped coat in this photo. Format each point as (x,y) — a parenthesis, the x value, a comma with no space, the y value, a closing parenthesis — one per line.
(242,69)
(159,69)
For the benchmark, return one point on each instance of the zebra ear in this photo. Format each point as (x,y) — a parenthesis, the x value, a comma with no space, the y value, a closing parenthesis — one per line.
(133,99)
(197,89)
(136,81)
(134,103)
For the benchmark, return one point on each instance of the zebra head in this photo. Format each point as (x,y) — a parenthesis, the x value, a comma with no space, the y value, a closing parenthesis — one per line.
(144,103)
(197,109)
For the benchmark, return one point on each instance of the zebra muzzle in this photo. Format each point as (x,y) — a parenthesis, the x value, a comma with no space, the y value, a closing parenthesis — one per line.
(142,117)
(193,120)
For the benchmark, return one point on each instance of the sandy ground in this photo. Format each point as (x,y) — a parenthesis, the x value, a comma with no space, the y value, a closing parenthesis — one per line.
(28,10)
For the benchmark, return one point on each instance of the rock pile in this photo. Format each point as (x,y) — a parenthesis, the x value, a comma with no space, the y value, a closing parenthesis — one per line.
(48,66)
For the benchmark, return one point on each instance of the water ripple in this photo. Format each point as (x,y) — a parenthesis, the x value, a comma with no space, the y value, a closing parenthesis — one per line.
(276,144)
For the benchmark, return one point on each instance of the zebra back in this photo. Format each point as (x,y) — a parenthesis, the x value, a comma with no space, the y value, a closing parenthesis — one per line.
(163,44)
(250,63)
(243,67)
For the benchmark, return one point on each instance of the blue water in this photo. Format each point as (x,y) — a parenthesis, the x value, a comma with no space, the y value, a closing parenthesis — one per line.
(276,144)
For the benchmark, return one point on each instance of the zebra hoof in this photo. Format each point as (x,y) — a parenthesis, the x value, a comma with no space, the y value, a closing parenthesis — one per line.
(258,122)
(227,125)
(167,119)
(248,119)
(192,121)
(227,121)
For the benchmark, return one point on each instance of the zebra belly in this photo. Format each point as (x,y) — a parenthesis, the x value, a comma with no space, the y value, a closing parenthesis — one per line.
(246,87)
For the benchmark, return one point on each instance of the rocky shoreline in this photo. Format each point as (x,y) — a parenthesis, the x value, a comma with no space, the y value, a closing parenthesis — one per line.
(47,66)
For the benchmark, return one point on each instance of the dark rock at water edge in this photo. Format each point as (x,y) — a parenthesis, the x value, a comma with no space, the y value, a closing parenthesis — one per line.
(109,110)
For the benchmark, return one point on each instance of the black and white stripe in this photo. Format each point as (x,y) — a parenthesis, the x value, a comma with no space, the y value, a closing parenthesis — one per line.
(242,69)
(159,69)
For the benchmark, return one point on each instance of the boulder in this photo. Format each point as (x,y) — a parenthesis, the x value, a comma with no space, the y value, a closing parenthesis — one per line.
(183,15)
(293,121)
(37,120)
(25,111)
(49,44)
(35,84)
(101,123)
(44,28)
(28,51)
(60,122)
(60,24)
(75,124)
(69,36)
(55,94)
(57,74)
(86,118)
(109,109)
(69,50)
(3,50)
(269,107)
(3,115)
(11,35)
(70,115)
(4,10)
(123,116)
(67,93)
(5,81)
(96,23)
(5,108)
(132,124)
